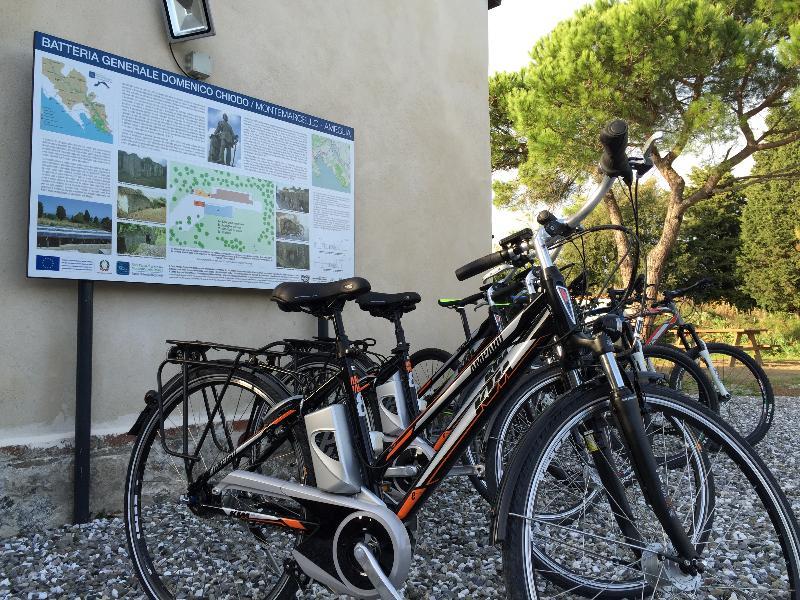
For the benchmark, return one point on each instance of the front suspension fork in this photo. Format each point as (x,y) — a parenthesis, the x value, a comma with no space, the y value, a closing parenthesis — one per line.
(705,356)
(627,413)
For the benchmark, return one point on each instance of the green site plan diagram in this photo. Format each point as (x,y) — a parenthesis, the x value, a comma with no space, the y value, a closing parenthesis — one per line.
(220,211)
(330,163)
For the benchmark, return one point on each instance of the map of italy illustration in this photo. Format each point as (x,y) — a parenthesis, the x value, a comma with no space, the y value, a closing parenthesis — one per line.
(69,107)
(331,164)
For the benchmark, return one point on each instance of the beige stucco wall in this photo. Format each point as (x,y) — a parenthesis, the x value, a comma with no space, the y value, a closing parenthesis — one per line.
(409,76)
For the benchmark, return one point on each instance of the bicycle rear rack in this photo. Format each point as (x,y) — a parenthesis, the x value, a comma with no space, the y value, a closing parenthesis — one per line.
(193,355)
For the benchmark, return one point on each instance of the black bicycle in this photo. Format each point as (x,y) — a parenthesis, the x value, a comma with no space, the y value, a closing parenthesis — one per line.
(236,492)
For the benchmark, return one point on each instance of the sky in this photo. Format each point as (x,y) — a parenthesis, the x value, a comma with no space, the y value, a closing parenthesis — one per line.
(514,27)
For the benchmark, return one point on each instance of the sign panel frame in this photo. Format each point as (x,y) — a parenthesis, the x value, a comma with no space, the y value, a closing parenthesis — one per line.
(139,174)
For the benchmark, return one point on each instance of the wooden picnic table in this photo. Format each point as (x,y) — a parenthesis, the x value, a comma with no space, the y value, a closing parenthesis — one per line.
(741,333)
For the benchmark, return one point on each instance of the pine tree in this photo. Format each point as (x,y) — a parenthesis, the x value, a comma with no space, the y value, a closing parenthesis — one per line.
(703,71)
(770,258)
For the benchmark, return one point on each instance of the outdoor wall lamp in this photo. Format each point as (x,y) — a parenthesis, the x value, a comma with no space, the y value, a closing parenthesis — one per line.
(187,19)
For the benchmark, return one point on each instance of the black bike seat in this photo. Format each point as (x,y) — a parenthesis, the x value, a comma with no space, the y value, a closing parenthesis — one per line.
(294,296)
(385,305)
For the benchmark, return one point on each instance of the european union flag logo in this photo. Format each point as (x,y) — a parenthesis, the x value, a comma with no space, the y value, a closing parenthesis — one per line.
(48,263)
(123,267)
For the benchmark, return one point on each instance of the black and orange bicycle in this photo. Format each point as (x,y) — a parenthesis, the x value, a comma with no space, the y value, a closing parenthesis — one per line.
(618,490)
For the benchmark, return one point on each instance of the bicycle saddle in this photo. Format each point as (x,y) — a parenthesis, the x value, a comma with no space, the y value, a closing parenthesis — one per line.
(295,296)
(385,305)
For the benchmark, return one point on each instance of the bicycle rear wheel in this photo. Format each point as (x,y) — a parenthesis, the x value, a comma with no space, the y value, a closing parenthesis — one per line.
(734,512)
(178,551)
(682,374)
(426,362)
(749,405)
(515,419)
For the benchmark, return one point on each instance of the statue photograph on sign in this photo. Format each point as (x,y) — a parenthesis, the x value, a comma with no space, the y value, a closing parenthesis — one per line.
(73,225)
(224,135)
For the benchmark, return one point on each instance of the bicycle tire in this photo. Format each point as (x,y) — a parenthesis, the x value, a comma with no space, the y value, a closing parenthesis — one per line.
(702,389)
(516,414)
(746,484)
(474,452)
(148,514)
(755,428)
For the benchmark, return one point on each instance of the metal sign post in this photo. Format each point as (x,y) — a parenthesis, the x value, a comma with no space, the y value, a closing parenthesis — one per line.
(83,401)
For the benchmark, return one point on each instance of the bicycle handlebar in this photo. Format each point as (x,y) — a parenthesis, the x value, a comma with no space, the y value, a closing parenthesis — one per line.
(670,295)
(479,265)
(614,162)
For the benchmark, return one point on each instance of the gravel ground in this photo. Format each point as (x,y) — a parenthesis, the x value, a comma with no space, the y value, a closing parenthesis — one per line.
(453,558)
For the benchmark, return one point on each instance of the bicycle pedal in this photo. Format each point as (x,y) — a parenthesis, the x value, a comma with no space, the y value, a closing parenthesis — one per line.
(467,470)
(375,574)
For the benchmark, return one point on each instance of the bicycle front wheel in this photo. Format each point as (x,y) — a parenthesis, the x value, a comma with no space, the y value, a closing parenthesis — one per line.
(180,551)
(733,510)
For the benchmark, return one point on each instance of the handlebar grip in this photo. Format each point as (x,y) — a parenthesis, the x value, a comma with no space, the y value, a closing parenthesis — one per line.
(479,265)
(614,162)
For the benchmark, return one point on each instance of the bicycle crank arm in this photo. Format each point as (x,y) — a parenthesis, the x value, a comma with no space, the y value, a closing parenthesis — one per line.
(375,574)
(402,471)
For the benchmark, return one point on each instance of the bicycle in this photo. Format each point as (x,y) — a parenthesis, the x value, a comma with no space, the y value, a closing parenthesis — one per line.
(304,481)
(743,388)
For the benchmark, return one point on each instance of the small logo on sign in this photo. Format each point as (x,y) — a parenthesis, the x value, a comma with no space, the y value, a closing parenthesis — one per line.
(104,266)
(123,267)
(48,263)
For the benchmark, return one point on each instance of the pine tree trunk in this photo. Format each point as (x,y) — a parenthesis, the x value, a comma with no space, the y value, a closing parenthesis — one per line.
(658,256)
(623,249)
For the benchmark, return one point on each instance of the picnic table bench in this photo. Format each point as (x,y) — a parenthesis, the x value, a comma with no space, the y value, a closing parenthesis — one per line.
(742,333)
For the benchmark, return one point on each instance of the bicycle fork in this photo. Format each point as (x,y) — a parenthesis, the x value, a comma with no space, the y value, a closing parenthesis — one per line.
(626,410)
(705,356)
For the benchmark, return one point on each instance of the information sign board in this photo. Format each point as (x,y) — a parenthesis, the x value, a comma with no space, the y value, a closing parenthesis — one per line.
(140,174)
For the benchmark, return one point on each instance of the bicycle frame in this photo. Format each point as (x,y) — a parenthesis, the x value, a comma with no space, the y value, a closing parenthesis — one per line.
(500,360)
(686,332)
